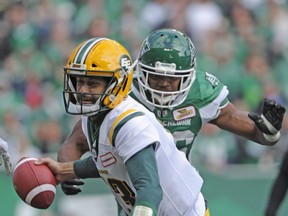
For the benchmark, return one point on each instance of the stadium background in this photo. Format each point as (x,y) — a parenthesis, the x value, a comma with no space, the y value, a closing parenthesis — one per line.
(242,42)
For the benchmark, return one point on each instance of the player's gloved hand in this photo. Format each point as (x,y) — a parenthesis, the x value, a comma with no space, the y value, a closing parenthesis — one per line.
(4,155)
(270,120)
(71,187)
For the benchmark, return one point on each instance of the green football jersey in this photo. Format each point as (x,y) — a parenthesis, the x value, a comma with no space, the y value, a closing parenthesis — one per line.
(205,99)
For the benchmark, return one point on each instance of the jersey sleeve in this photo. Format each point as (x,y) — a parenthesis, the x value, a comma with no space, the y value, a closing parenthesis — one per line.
(209,94)
(145,179)
(212,110)
(132,132)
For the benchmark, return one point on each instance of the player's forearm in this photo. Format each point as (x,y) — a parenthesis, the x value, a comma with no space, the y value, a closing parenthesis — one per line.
(86,168)
(239,123)
(249,130)
(67,171)
(263,128)
(236,122)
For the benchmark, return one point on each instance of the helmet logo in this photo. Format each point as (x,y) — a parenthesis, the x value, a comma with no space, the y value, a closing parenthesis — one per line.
(145,47)
(212,79)
(125,62)
(76,65)
(79,69)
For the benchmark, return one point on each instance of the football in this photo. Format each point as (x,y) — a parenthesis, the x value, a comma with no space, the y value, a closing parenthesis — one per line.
(34,184)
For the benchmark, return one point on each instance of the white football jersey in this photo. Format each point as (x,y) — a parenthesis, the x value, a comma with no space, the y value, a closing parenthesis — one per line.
(127,129)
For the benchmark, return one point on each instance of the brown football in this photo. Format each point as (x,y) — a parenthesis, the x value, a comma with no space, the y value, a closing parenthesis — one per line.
(34,184)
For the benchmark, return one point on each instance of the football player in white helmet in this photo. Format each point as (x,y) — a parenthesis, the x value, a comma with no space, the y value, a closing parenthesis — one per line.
(130,149)
(184,99)
(4,156)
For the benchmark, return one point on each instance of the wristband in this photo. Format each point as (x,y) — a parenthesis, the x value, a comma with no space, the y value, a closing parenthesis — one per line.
(85,168)
(142,211)
(270,127)
(272,138)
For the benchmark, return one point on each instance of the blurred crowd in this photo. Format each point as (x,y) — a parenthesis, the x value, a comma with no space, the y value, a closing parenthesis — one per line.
(244,43)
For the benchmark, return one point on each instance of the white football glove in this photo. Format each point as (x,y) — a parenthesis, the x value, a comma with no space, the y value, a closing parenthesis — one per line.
(4,155)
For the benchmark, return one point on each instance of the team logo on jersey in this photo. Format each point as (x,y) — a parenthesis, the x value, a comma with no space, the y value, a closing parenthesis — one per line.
(107,159)
(184,113)
(212,79)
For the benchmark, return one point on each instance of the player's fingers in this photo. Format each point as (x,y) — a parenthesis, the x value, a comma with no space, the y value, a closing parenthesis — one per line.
(272,103)
(45,161)
(53,165)
(255,117)
(266,102)
(280,109)
(76,189)
(7,163)
(8,167)
(70,190)
(74,182)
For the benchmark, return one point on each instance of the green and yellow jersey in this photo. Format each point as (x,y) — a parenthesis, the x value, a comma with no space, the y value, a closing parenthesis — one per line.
(206,98)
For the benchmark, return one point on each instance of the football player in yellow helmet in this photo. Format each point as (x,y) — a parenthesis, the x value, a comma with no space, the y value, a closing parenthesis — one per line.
(95,61)
(130,149)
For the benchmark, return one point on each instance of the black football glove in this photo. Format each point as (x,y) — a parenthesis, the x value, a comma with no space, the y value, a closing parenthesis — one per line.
(71,187)
(270,120)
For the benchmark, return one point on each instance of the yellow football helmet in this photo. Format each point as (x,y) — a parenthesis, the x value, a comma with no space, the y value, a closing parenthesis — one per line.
(97,57)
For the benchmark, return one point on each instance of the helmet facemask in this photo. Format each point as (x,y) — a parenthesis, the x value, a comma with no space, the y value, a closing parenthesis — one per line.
(74,100)
(164,99)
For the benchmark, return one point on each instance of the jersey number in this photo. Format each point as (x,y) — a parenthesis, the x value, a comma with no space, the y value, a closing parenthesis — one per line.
(122,188)
(183,138)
